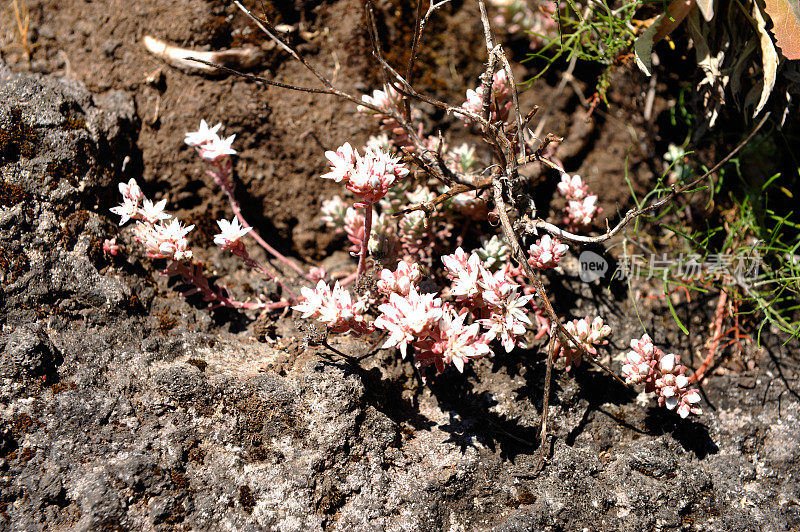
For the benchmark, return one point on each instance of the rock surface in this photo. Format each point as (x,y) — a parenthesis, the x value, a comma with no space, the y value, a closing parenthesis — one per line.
(124,407)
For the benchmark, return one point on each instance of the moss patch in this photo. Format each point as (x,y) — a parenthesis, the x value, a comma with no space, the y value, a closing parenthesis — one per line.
(18,139)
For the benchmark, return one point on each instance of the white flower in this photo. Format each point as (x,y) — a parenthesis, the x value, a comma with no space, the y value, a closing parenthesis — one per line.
(405,276)
(342,162)
(667,363)
(384,99)
(466,271)
(171,240)
(380,142)
(203,135)
(154,212)
(129,209)
(580,213)
(216,148)
(573,188)
(335,308)
(409,318)
(230,233)
(508,320)
(463,343)
(474,103)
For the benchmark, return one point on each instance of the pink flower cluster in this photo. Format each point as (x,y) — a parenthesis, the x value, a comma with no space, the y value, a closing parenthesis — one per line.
(409,318)
(546,252)
(452,342)
(437,331)
(495,297)
(159,239)
(500,103)
(335,308)
(573,187)
(369,176)
(164,241)
(581,207)
(589,333)
(488,306)
(661,374)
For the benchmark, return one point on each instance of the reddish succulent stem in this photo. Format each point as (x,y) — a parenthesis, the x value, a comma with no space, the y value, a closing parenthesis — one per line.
(240,250)
(349,279)
(222,176)
(362,258)
(712,347)
(190,274)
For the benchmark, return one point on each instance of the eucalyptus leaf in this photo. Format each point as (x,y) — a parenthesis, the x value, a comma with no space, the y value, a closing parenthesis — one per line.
(769,58)
(785,15)
(706,8)
(643,46)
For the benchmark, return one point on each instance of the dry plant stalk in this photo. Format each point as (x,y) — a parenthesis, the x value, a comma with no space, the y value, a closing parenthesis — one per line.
(20,24)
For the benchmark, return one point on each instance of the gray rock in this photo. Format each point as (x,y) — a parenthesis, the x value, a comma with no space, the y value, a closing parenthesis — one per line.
(28,351)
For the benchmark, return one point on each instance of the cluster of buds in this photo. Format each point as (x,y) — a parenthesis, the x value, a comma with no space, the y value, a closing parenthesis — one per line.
(534,17)
(581,207)
(369,176)
(589,333)
(500,99)
(161,240)
(661,374)
(335,308)
(399,281)
(546,252)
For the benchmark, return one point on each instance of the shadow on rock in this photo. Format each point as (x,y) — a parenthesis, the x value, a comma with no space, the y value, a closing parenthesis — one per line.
(472,420)
(692,435)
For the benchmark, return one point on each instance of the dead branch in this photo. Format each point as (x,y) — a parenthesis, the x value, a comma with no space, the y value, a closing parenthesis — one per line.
(534,225)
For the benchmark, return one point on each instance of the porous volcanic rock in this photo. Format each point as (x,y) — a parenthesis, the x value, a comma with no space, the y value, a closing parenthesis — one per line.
(125,407)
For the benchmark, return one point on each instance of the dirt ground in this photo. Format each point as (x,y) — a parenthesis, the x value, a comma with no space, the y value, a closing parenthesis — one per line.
(494,409)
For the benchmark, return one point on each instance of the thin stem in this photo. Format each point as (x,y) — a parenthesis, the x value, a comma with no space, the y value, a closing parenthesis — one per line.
(548,379)
(719,316)
(192,274)
(241,252)
(362,258)
(222,174)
